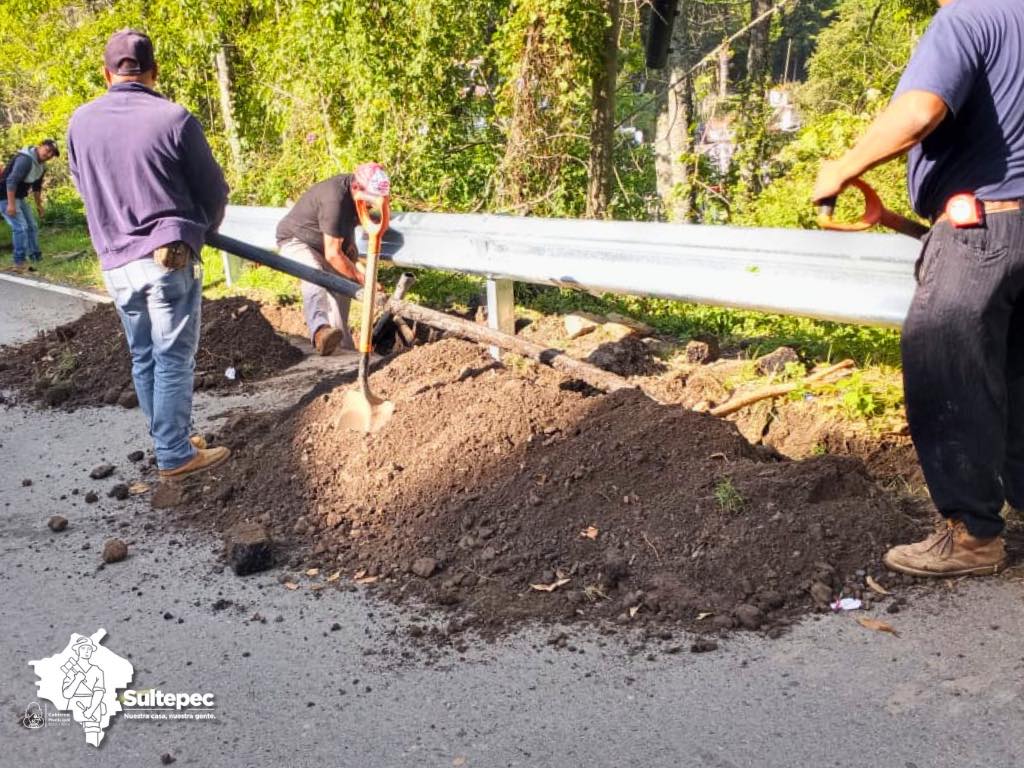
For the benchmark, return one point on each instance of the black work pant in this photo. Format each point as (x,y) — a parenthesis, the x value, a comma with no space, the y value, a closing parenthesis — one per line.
(963,369)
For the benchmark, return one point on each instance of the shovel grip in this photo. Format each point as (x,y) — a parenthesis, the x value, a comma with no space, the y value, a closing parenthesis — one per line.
(871,216)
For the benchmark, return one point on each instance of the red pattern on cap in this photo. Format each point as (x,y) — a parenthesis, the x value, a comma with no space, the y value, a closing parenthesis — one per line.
(372,179)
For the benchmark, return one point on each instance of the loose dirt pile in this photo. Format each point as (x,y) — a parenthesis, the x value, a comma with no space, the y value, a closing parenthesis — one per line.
(87,362)
(515,494)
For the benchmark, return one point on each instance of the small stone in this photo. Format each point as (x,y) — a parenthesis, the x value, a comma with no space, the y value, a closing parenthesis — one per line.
(111,395)
(749,616)
(91,497)
(580,324)
(335,627)
(301,527)
(114,551)
(119,492)
(703,645)
(136,456)
(167,758)
(26,483)
(776,362)
(57,523)
(128,399)
(425,567)
(101,471)
(249,548)
(702,349)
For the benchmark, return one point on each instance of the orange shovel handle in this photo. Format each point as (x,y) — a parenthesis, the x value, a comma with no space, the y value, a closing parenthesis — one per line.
(871,216)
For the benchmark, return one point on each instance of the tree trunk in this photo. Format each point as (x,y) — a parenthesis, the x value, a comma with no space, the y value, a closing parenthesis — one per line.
(673,138)
(600,168)
(757,52)
(227,112)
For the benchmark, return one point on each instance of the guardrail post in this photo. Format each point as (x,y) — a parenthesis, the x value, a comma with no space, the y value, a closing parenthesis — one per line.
(501,309)
(232,267)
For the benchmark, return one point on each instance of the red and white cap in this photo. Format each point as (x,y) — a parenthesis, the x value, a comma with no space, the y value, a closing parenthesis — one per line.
(371,179)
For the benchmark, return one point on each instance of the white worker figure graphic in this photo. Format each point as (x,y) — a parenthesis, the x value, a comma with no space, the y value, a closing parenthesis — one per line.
(83,679)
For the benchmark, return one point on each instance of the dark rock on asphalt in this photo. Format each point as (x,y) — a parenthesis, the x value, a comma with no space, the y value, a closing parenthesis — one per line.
(249,548)
(119,492)
(57,523)
(101,471)
(114,551)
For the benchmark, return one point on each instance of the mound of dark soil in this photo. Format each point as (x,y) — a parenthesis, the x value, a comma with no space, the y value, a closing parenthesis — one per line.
(512,494)
(86,362)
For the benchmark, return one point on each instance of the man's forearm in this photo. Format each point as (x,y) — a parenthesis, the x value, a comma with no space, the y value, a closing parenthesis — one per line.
(11,198)
(904,123)
(340,264)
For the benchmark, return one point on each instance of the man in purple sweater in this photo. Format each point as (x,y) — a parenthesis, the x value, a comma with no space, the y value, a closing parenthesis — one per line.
(152,191)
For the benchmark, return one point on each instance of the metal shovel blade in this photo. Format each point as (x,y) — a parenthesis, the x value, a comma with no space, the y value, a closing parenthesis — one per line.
(364,412)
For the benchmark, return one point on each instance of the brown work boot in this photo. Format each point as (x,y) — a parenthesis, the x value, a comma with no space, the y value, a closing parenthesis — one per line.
(205,458)
(326,339)
(950,551)
(198,442)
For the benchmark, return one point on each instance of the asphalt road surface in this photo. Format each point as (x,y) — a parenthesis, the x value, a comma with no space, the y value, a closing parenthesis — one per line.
(292,691)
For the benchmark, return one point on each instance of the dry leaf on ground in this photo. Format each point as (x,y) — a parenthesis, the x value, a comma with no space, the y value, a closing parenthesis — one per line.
(876,587)
(549,587)
(877,625)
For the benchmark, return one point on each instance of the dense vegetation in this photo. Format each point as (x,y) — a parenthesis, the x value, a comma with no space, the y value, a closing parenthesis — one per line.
(489,104)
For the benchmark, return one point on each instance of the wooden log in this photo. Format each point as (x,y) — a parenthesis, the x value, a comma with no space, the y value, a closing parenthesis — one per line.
(481,334)
(843,368)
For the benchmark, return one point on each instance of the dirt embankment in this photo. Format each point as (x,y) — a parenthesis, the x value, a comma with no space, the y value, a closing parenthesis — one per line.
(86,362)
(516,494)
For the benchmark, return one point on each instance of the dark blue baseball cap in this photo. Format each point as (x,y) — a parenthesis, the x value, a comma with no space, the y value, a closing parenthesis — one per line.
(129,52)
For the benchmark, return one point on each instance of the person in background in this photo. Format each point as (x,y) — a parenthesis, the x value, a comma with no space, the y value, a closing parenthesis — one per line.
(319,231)
(152,190)
(24,173)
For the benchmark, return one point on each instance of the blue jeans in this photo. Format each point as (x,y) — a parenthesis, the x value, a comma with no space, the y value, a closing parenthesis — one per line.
(159,310)
(24,231)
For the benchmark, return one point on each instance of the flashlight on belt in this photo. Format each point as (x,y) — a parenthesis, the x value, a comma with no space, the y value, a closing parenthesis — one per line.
(965,210)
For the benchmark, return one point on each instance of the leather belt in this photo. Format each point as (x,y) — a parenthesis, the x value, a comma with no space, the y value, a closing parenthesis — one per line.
(990,206)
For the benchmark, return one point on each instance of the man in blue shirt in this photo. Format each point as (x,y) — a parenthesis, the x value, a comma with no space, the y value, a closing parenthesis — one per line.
(959,110)
(152,190)
(22,174)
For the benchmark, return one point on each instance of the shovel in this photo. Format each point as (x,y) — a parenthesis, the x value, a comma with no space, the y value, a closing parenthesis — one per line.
(361,410)
(874,213)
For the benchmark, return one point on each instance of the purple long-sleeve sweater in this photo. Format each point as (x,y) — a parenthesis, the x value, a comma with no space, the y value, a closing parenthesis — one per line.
(145,172)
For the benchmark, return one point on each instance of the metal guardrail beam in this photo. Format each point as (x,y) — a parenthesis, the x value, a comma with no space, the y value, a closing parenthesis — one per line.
(860,278)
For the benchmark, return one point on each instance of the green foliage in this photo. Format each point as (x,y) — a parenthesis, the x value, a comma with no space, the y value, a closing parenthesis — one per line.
(866,395)
(853,72)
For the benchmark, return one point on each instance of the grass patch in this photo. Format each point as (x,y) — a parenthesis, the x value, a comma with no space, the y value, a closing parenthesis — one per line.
(727,496)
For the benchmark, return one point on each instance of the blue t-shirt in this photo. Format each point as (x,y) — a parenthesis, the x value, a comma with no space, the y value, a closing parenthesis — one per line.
(972,57)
